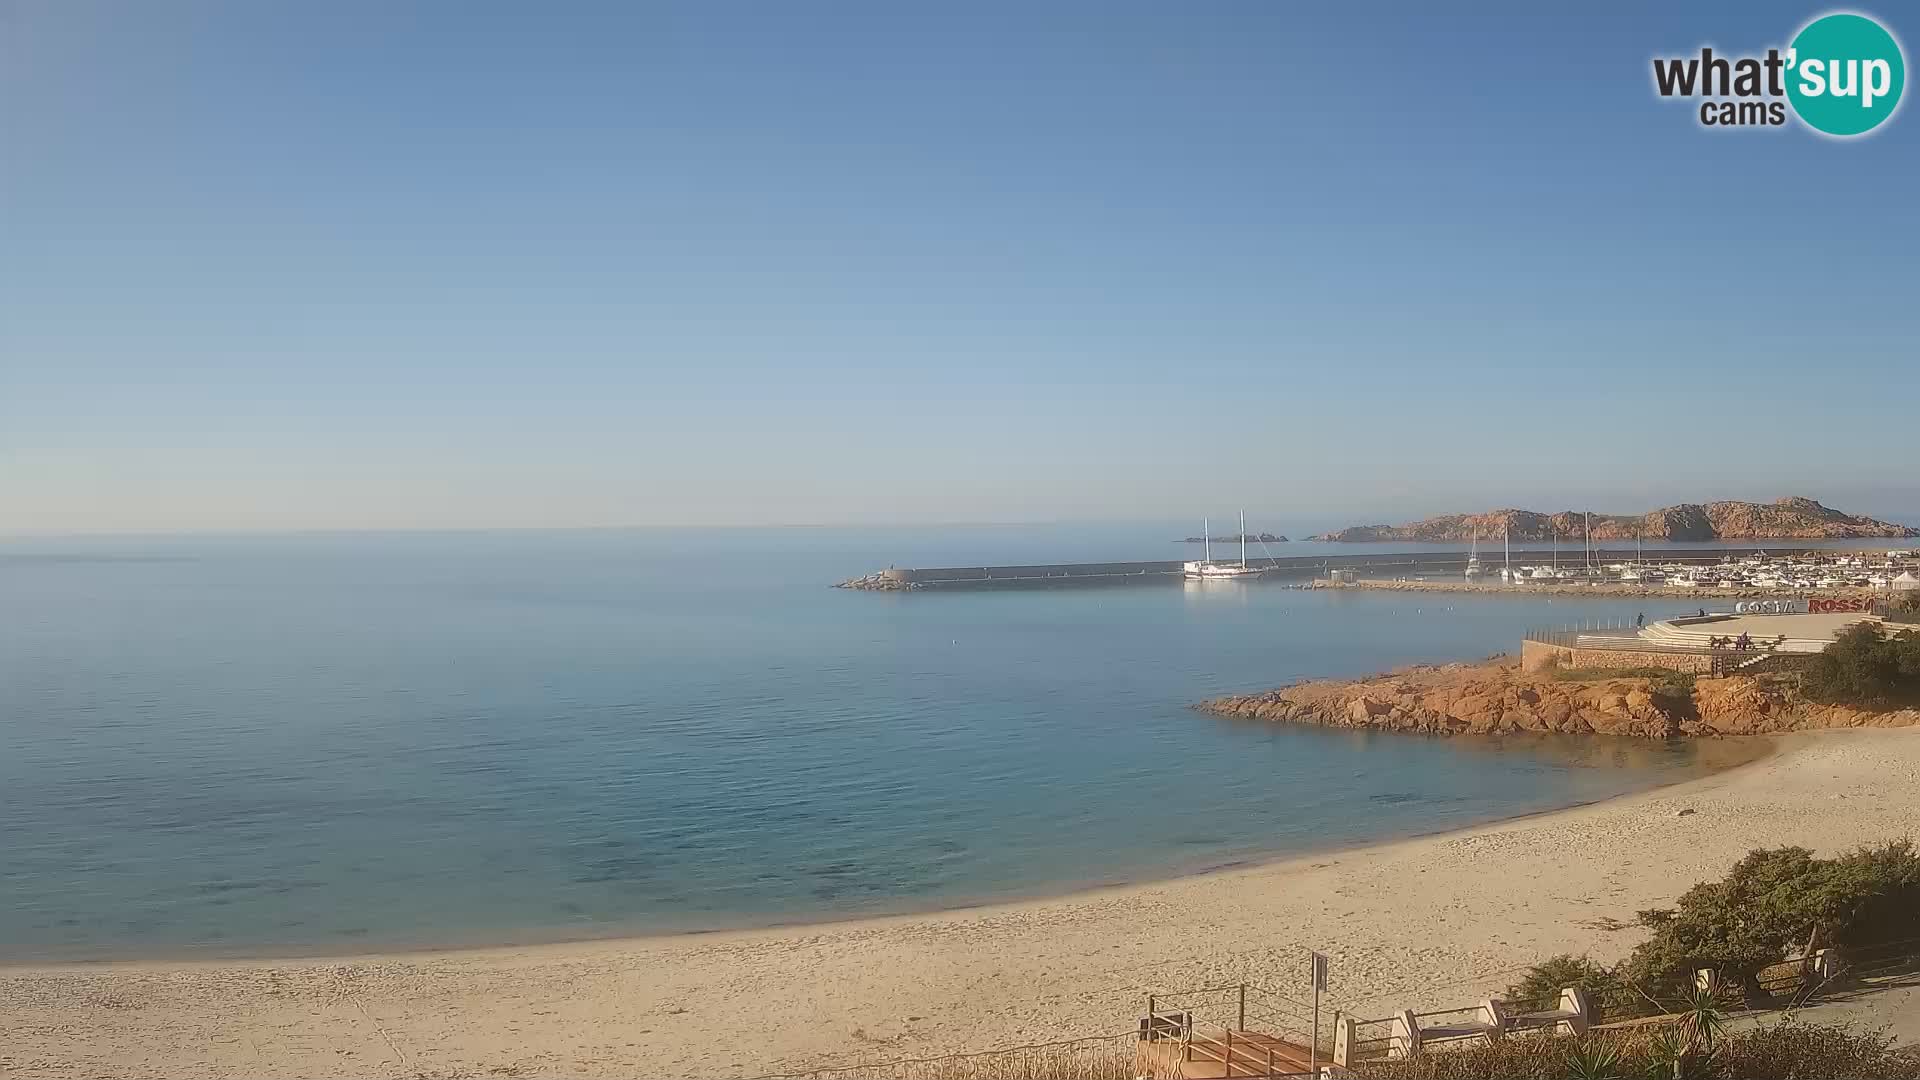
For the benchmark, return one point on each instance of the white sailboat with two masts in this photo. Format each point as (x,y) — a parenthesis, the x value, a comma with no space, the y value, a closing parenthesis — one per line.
(1208,570)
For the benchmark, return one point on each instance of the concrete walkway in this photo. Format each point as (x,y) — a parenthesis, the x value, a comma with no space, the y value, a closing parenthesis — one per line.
(1890,1004)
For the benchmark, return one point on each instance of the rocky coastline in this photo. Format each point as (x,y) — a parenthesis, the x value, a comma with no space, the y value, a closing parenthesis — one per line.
(1496,697)
(1790,518)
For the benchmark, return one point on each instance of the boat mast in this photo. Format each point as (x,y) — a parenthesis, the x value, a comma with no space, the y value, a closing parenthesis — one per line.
(1506,546)
(1555,526)
(1243,538)
(1206,536)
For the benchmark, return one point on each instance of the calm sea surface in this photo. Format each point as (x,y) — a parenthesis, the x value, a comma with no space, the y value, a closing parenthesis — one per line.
(342,742)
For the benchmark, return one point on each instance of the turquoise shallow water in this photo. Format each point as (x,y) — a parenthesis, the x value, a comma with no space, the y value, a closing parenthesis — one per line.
(333,743)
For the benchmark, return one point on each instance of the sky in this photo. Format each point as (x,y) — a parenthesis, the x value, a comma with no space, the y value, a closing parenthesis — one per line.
(460,265)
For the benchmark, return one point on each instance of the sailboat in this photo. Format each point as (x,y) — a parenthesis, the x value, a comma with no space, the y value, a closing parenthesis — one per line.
(1506,552)
(1632,573)
(1541,573)
(1591,570)
(1558,573)
(1473,557)
(1208,570)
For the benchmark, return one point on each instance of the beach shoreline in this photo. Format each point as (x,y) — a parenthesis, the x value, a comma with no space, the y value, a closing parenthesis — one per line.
(1762,747)
(1417,922)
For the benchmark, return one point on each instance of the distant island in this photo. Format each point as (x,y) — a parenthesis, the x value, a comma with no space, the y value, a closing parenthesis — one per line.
(1791,518)
(1263,538)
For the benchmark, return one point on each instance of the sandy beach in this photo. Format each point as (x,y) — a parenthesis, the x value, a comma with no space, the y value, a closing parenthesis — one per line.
(1422,922)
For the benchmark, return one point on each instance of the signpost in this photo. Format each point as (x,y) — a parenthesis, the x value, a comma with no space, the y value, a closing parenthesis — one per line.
(1319,984)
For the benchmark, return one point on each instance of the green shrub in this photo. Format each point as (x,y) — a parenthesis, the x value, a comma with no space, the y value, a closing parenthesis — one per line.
(1875,894)
(1540,987)
(1789,1051)
(1792,1051)
(1865,667)
(1777,903)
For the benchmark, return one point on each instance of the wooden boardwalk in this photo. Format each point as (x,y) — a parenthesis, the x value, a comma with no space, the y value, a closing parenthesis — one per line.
(1220,1053)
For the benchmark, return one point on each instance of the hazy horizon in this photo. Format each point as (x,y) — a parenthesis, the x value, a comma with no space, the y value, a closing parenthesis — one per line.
(463,266)
(1297,523)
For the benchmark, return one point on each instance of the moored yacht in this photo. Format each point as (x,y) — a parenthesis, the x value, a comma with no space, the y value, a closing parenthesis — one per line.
(1208,570)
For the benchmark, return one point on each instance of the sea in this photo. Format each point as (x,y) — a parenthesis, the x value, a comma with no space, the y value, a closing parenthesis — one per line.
(335,743)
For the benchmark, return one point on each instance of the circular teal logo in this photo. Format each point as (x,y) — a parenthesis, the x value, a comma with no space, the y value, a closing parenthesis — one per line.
(1845,74)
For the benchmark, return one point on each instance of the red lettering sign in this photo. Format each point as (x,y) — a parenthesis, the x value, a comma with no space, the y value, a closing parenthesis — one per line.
(1838,605)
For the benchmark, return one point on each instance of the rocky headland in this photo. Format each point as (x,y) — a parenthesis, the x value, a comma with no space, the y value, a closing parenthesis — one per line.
(1791,518)
(1498,698)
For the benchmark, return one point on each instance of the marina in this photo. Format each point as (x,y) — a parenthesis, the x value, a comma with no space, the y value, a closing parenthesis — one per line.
(1700,570)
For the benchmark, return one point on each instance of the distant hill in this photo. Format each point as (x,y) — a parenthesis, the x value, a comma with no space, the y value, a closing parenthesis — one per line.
(1791,518)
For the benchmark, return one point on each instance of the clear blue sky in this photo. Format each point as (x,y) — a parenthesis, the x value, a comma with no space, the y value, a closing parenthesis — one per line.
(356,264)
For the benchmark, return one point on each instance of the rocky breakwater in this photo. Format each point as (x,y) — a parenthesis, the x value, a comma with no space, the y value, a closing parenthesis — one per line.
(879,581)
(1497,698)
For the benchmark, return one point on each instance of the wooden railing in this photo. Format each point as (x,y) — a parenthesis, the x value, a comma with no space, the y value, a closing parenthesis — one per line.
(1250,1056)
(1243,1030)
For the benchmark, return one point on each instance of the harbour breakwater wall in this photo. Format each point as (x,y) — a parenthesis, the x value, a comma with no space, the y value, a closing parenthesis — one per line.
(1160,571)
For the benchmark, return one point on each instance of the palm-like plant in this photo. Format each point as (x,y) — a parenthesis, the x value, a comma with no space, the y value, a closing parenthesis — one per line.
(1593,1059)
(1702,1018)
(1686,1049)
